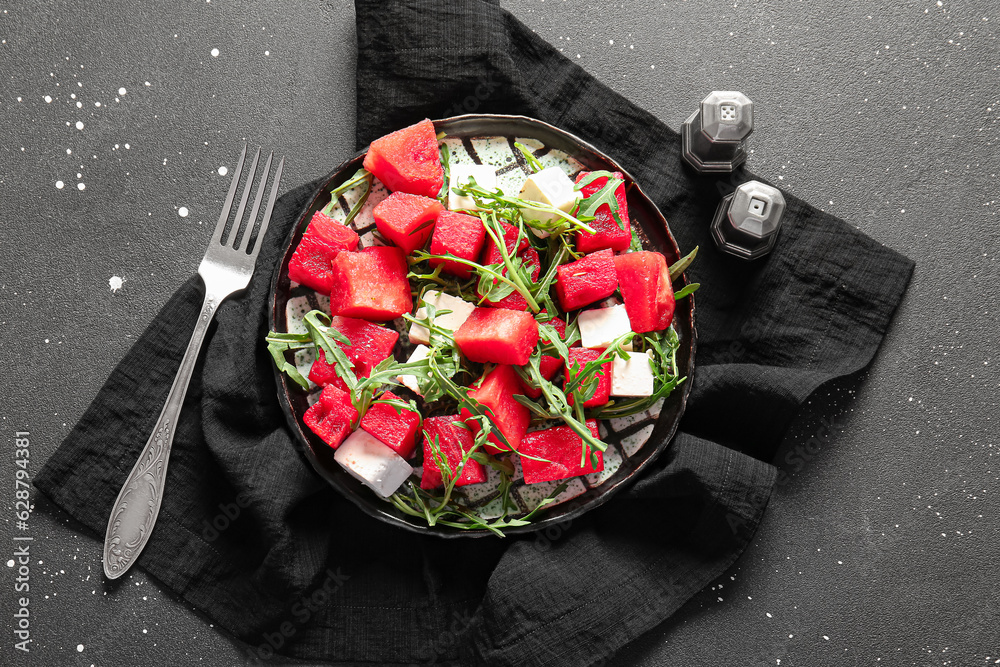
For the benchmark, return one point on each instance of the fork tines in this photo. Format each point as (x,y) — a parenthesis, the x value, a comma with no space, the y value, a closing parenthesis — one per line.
(243,232)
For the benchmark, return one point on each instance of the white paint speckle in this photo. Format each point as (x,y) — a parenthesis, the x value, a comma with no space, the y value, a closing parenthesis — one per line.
(215,53)
(48,99)
(122,91)
(79,124)
(115,283)
(223,171)
(60,185)
(182,211)
(267,53)
(79,648)
(127,147)
(97,104)
(81,186)
(10,563)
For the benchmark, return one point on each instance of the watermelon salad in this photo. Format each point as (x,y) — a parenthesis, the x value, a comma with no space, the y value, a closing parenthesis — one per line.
(474,331)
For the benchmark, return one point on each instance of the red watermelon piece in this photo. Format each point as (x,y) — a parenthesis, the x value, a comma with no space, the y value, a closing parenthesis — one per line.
(370,345)
(498,335)
(406,220)
(460,235)
(609,234)
(578,357)
(371,284)
(562,450)
(323,373)
(396,429)
(495,391)
(586,280)
(647,290)
(454,439)
(323,239)
(548,364)
(332,417)
(514,300)
(408,160)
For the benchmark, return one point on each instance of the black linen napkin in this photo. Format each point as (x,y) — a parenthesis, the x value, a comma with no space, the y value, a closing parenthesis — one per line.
(249,535)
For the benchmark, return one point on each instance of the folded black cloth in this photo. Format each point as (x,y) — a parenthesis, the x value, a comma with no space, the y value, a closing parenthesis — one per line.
(252,537)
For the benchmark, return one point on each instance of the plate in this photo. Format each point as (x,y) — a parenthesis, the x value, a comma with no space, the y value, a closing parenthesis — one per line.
(633,442)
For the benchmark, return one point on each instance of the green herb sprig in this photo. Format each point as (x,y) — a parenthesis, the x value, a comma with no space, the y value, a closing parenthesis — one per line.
(361,176)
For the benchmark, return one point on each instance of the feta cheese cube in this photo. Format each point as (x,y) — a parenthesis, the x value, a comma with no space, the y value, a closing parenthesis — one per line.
(549,186)
(372,463)
(410,381)
(486,178)
(460,311)
(633,377)
(599,327)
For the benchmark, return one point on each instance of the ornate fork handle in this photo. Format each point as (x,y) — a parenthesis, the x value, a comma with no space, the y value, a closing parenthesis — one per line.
(226,268)
(138,503)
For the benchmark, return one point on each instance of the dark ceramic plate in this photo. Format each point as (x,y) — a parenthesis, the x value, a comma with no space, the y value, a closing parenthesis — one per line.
(634,442)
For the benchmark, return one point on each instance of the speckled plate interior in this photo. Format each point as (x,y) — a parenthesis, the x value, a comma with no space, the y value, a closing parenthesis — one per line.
(633,442)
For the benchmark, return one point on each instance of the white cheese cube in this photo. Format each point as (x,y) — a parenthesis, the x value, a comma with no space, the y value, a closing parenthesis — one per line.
(549,186)
(410,381)
(373,463)
(633,377)
(486,178)
(460,311)
(601,326)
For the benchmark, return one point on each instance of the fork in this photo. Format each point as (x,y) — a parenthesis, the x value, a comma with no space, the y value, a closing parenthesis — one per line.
(226,268)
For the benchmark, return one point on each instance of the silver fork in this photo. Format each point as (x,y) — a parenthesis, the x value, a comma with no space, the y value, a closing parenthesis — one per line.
(226,268)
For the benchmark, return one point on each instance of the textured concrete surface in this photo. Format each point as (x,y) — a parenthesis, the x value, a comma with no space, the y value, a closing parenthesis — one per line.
(880,543)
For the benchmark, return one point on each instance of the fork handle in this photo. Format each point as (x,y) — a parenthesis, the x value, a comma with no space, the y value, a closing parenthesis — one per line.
(138,504)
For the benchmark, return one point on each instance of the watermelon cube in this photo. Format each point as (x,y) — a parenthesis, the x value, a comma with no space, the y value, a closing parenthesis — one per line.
(332,417)
(609,234)
(511,241)
(548,364)
(323,373)
(498,335)
(460,235)
(586,280)
(371,284)
(647,290)
(395,428)
(515,300)
(515,247)
(454,439)
(578,357)
(495,391)
(320,243)
(562,451)
(408,160)
(370,345)
(406,220)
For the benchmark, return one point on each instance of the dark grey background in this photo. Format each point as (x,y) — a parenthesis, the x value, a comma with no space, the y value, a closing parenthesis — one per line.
(880,544)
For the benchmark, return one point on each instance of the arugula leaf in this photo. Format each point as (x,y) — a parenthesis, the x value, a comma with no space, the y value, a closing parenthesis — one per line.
(278,343)
(360,176)
(689,289)
(529,157)
(446,165)
(605,196)
(678,267)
